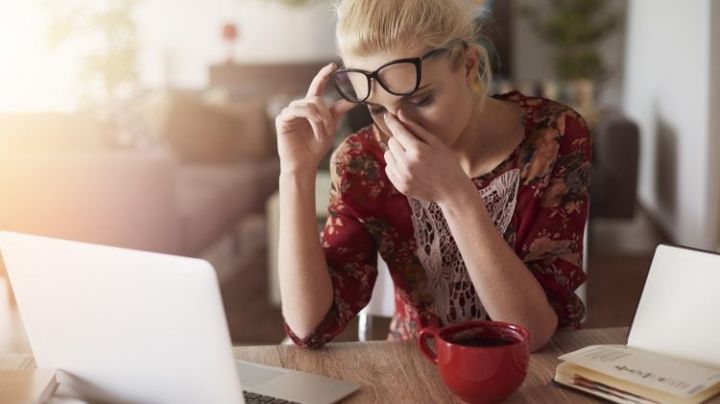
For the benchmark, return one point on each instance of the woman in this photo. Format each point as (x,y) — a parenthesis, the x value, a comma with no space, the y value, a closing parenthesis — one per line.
(477,203)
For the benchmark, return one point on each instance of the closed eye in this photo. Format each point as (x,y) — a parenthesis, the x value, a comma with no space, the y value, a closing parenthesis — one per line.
(376,110)
(421,102)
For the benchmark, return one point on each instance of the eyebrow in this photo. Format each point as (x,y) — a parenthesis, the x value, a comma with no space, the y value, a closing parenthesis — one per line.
(404,97)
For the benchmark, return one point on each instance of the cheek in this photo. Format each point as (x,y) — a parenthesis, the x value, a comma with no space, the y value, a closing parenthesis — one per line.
(443,120)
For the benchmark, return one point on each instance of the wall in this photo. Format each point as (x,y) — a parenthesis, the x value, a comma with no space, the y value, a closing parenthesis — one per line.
(181,38)
(714,112)
(667,76)
(532,56)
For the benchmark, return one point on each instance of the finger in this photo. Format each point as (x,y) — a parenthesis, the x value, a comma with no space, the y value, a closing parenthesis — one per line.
(341,108)
(392,176)
(420,132)
(390,159)
(326,114)
(319,82)
(406,138)
(317,105)
(318,129)
(302,110)
(397,153)
(307,112)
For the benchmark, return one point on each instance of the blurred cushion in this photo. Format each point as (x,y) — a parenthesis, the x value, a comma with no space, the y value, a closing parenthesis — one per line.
(257,131)
(198,132)
(244,186)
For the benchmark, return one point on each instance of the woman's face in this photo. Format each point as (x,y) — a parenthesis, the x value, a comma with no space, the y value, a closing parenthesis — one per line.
(442,104)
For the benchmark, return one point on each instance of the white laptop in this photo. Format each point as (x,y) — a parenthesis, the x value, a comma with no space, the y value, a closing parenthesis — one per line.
(135,326)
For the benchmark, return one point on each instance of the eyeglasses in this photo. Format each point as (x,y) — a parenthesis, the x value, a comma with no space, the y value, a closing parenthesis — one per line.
(399,77)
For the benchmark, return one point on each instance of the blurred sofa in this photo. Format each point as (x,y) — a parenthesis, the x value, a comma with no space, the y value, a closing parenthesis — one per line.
(196,188)
(615,168)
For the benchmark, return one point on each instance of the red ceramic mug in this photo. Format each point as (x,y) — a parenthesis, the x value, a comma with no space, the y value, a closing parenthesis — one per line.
(479,361)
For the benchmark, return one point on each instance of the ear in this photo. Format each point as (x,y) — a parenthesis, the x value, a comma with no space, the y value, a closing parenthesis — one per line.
(472,60)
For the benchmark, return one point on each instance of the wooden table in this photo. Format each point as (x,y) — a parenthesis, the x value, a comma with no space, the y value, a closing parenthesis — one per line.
(396,372)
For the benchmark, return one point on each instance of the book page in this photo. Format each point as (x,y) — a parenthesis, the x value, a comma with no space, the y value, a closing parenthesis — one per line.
(678,310)
(622,391)
(647,369)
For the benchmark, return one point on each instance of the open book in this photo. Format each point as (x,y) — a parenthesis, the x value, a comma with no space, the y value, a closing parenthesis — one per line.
(673,350)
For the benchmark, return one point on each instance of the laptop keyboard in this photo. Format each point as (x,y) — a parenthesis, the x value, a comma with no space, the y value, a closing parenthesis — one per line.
(254,398)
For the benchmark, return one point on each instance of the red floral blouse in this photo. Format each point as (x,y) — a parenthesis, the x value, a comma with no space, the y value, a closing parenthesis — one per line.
(537,198)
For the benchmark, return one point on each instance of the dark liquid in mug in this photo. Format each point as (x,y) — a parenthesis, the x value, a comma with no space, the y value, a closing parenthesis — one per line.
(482,341)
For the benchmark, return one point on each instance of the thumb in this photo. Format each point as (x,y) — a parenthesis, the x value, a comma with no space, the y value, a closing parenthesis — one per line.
(340,108)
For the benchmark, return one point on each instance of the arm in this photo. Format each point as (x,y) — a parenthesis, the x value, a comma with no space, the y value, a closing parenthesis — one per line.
(508,290)
(305,284)
(305,131)
(537,291)
(347,253)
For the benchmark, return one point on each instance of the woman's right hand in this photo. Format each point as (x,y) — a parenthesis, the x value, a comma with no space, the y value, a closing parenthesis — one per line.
(306,128)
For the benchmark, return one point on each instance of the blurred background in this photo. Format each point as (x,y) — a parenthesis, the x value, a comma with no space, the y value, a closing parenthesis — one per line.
(148,124)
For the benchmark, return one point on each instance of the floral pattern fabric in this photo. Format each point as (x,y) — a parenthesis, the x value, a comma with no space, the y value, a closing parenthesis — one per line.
(538,198)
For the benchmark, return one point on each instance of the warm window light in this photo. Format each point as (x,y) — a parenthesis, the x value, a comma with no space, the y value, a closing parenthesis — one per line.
(31,77)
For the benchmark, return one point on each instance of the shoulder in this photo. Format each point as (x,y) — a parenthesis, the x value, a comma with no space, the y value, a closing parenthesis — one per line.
(554,133)
(358,163)
(357,145)
(541,114)
(549,118)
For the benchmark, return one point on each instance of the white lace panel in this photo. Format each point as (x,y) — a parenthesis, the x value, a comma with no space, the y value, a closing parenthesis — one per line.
(448,279)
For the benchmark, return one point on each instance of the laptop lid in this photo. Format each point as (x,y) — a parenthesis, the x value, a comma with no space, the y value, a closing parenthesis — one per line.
(678,310)
(124,325)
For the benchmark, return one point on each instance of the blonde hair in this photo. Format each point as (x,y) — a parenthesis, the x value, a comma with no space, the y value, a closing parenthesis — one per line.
(367,27)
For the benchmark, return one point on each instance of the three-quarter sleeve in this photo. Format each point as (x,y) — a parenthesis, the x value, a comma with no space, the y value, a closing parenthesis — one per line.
(553,247)
(350,251)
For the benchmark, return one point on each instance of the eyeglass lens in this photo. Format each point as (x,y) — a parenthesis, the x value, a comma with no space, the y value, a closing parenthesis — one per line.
(398,78)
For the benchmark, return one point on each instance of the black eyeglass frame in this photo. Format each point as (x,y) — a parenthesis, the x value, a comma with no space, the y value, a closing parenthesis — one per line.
(417,61)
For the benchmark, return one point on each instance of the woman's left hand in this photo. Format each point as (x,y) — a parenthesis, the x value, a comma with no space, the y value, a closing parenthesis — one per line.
(419,164)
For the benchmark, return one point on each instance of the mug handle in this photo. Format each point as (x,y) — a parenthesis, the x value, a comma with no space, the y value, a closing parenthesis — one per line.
(423,336)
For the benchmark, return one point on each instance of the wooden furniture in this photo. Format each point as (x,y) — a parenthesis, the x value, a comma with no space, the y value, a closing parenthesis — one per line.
(251,79)
(395,372)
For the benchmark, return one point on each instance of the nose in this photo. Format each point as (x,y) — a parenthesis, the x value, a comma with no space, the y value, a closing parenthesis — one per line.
(393,110)
(393,104)
(393,113)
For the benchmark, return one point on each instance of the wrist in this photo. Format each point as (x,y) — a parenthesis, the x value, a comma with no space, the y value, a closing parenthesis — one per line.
(297,182)
(298,166)
(463,197)
(298,174)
